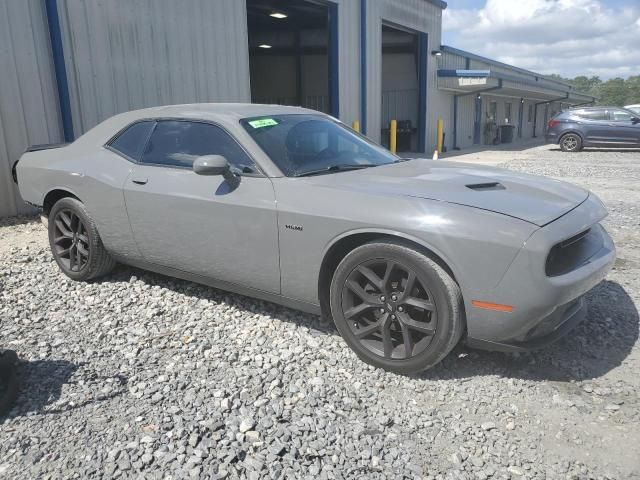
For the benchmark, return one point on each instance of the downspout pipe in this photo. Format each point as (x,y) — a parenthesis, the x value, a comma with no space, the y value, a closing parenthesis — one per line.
(55,35)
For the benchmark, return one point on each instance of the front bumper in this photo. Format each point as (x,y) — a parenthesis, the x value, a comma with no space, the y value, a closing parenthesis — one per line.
(544,307)
(550,329)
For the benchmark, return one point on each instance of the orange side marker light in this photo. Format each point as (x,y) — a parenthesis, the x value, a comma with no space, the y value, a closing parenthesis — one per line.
(498,307)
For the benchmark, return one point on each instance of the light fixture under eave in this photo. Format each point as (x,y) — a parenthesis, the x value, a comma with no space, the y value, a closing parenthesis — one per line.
(278,15)
(436,53)
(264,45)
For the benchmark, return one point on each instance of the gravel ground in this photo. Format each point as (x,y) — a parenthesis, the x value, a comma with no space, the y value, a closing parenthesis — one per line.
(139,375)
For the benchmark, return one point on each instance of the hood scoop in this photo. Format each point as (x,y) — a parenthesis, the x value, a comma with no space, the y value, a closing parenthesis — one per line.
(481,187)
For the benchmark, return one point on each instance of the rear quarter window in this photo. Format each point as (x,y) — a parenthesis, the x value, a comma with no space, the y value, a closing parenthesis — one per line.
(592,114)
(131,142)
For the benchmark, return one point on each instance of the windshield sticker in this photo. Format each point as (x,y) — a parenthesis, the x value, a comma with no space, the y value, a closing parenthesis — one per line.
(263,122)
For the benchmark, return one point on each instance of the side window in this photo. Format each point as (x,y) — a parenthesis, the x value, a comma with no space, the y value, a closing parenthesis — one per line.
(131,142)
(178,143)
(620,116)
(593,114)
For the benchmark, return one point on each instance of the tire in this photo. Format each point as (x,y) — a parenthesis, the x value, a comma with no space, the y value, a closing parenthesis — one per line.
(8,380)
(73,232)
(571,142)
(370,307)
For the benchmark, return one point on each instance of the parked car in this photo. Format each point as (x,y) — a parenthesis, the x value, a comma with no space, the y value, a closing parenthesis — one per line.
(634,108)
(406,256)
(577,128)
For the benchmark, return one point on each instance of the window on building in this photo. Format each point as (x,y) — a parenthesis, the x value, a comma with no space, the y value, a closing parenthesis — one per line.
(507,112)
(530,114)
(178,143)
(493,111)
(131,141)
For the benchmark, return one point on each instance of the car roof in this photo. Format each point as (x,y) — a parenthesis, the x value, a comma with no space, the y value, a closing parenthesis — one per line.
(213,111)
(599,107)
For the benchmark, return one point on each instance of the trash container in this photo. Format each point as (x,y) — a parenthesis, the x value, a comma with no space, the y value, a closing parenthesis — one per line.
(506,133)
(404,136)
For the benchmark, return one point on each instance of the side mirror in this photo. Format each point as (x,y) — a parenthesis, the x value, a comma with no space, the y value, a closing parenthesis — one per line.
(635,120)
(211,165)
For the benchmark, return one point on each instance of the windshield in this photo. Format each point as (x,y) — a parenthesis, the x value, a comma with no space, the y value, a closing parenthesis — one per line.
(313,144)
(635,110)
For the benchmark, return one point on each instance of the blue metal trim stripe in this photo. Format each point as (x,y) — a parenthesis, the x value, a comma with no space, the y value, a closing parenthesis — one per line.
(363,66)
(423,55)
(334,60)
(463,73)
(55,35)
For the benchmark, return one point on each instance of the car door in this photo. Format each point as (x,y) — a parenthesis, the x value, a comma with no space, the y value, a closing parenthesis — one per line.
(594,125)
(203,224)
(623,129)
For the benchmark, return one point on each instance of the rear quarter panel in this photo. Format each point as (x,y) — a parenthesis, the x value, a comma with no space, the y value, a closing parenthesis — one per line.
(94,175)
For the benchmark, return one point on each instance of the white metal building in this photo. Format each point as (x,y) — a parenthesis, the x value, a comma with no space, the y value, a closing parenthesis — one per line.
(66,65)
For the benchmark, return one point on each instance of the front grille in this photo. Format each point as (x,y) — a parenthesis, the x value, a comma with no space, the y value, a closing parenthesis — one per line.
(573,252)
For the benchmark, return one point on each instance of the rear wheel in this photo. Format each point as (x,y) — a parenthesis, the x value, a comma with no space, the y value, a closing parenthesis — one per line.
(571,142)
(75,242)
(395,307)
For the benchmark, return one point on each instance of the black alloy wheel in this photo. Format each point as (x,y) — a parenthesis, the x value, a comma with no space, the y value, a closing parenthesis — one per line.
(389,309)
(395,306)
(70,240)
(75,242)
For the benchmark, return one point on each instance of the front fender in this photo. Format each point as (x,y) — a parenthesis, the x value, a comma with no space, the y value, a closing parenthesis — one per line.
(397,234)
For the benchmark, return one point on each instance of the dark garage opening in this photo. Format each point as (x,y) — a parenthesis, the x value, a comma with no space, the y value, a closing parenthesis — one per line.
(400,86)
(290,54)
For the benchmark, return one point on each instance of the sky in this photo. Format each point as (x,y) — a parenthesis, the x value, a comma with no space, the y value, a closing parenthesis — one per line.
(567,37)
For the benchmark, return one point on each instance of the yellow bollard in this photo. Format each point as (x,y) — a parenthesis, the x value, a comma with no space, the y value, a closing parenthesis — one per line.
(439,134)
(393,136)
(356,125)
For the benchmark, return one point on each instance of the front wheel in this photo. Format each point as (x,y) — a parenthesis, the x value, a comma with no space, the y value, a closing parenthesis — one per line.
(75,242)
(571,142)
(395,307)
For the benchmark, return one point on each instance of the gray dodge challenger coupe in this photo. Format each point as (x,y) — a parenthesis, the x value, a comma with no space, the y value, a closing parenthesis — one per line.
(407,256)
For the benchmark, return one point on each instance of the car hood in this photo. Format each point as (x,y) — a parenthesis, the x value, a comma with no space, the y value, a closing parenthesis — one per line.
(534,199)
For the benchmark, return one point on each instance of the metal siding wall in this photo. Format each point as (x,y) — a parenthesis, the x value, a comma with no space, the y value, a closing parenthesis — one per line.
(451,61)
(349,59)
(417,15)
(123,55)
(28,98)
(466,118)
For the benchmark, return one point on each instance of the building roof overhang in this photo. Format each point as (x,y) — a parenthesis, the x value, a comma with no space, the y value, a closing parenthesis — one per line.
(464,82)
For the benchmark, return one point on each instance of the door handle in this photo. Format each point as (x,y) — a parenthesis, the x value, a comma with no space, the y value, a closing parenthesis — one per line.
(139,180)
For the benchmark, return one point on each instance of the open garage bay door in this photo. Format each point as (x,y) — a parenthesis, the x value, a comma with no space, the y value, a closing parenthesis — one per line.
(292,45)
(401,87)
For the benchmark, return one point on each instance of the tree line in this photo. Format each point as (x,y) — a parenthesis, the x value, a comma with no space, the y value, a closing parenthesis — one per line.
(613,92)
